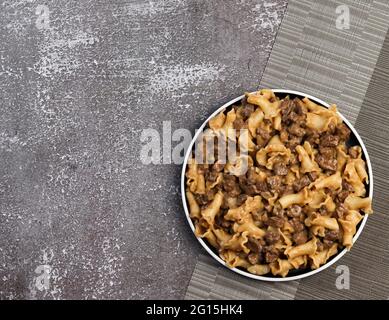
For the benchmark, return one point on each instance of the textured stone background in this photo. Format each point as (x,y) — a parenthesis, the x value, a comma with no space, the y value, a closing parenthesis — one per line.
(75,94)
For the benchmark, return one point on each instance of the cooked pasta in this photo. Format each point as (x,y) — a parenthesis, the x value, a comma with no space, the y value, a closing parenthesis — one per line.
(293,194)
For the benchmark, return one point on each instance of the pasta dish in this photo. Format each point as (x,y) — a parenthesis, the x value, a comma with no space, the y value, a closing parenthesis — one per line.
(278,187)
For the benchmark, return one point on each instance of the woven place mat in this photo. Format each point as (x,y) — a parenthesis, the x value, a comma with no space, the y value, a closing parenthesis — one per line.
(349,68)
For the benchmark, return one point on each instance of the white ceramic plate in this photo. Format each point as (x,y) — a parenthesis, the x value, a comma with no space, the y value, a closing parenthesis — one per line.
(210,250)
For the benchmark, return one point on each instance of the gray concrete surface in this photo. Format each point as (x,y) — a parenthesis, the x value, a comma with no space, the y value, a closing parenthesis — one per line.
(80,216)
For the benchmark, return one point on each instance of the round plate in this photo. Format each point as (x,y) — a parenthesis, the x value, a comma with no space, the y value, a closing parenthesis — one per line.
(355,139)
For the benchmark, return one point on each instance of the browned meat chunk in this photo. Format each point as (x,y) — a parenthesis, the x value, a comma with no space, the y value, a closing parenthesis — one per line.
(343,195)
(257,215)
(211,176)
(264,134)
(340,211)
(241,199)
(242,179)
(220,221)
(320,246)
(297,225)
(273,182)
(286,189)
(301,183)
(239,124)
(280,169)
(326,163)
(201,199)
(330,238)
(346,186)
(312,136)
(272,237)
(230,185)
(312,175)
(234,192)
(343,132)
(249,189)
(247,184)
(229,181)
(251,176)
(294,117)
(247,110)
(271,255)
(286,107)
(329,140)
(300,108)
(293,142)
(300,237)
(261,186)
(331,235)
(296,130)
(276,222)
(278,211)
(254,245)
(327,152)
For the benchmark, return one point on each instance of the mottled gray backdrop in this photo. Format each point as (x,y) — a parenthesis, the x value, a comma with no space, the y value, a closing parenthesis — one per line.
(79,81)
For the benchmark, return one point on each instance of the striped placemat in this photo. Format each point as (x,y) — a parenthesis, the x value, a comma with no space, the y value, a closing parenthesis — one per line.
(349,67)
